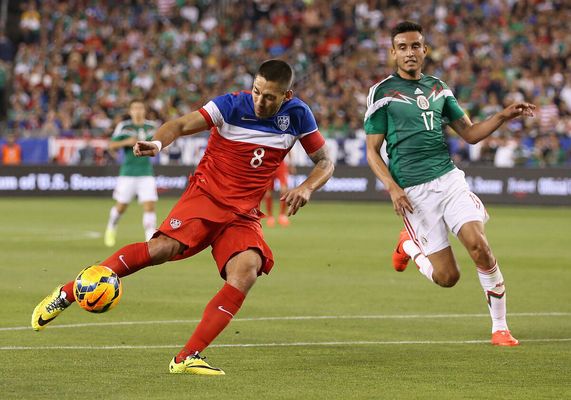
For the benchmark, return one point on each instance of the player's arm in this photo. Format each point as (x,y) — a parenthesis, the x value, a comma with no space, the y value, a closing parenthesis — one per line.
(319,175)
(473,133)
(381,171)
(118,144)
(168,132)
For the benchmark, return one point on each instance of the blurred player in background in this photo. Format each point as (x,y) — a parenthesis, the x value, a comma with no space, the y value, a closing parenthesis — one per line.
(282,175)
(251,133)
(426,188)
(136,177)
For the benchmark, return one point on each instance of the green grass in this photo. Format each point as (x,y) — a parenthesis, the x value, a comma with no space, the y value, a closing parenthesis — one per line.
(419,341)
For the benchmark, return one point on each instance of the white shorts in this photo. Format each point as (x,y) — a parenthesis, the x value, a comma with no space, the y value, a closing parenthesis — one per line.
(441,205)
(144,187)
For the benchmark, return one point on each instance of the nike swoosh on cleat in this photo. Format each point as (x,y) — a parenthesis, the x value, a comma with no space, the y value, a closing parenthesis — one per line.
(221,308)
(204,367)
(42,322)
(91,304)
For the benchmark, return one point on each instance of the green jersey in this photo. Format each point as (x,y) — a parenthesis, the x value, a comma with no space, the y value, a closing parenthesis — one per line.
(132,165)
(410,113)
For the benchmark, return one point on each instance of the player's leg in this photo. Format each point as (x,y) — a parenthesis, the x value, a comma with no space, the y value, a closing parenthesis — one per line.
(439,267)
(115,215)
(282,177)
(124,192)
(473,237)
(269,202)
(149,219)
(147,194)
(466,216)
(127,260)
(241,255)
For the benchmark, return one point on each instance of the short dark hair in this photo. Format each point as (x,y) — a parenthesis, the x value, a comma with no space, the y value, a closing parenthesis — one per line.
(277,71)
(405,26)
(137,100)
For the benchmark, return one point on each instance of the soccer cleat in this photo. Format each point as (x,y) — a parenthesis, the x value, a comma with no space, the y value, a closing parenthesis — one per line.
(271,222)
(48,309)
(400,258)
(194,364)
(110,237)
(504,338)
(283,220)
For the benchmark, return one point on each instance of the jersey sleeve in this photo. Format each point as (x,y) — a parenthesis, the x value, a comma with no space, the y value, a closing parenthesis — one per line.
(307,123)
(376,121)
(312,142)
(376,114)
(119,133)
(451,110)
(218,109)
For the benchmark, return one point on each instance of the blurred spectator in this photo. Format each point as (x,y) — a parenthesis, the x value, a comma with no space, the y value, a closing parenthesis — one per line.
(11,151)
(87,60)
(30,22)
(6,48)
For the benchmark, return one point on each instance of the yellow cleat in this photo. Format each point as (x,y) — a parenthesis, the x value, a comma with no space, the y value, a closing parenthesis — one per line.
(110,237)
(193,365)
(48,309)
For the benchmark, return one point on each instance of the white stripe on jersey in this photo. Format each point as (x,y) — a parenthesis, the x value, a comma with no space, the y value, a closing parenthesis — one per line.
(214,113)
(371,95)
(241,134)
(245,135)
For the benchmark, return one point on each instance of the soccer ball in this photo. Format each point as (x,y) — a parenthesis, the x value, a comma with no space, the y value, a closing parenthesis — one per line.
(97,289)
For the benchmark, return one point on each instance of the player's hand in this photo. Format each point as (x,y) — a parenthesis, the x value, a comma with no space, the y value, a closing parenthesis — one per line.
(519,109)
(401,202)
(145,149)
(295,199)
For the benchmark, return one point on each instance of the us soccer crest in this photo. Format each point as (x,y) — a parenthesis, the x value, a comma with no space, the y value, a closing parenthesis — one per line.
(283,122)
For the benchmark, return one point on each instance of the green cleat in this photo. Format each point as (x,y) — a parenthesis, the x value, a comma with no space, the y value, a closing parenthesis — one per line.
(48,309)
(194,364)
(110,237)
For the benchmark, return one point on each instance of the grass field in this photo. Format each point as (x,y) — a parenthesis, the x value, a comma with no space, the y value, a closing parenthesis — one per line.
(332,321)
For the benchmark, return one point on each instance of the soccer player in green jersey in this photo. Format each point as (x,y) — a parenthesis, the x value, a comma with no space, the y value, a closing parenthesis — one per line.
(136,174)
(427,190)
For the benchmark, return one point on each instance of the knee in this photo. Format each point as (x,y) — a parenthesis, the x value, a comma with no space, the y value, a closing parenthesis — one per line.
(242,270)
(162,248)
(481,253)
(447,279)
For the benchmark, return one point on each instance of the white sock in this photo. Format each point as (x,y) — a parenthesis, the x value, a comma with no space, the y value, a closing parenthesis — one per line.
(492,282)
(149,224)
(422,262)
(114,218)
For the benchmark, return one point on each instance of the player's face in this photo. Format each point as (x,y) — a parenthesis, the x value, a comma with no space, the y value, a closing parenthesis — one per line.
(137,111)
(268,97)
(408,52)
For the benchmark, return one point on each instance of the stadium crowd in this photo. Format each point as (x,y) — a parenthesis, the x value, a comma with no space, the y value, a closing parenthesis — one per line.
(76,64)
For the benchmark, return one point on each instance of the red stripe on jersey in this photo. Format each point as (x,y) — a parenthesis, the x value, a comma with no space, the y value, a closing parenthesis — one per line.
(312,142)
(206,117)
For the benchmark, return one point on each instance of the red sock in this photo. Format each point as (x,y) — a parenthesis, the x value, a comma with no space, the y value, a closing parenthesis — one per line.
(217,314)
(283,208)
(269,205)
(125,261)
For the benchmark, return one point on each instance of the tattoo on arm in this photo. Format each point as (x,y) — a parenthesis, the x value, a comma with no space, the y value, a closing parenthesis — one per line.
(321,158)
(461,124)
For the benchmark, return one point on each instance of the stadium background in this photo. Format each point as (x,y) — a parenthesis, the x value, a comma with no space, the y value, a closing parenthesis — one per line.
(333,320)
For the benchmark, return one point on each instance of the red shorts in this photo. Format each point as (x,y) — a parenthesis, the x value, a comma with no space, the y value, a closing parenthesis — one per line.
(198,222)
